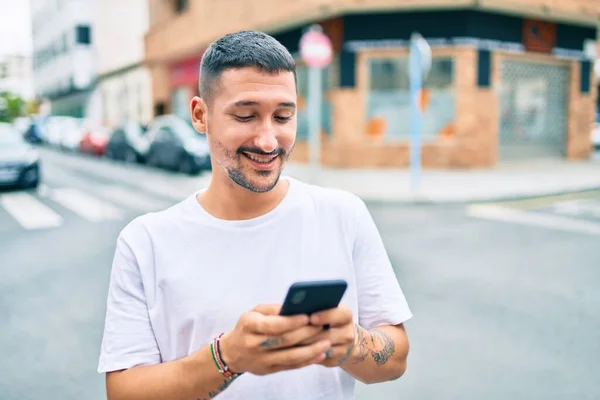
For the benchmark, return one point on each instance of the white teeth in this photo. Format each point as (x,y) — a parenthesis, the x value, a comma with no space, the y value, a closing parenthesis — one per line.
(263,160)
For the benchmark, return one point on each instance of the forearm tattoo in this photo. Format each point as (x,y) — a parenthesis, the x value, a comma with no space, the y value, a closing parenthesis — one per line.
(374,343)
(222,387)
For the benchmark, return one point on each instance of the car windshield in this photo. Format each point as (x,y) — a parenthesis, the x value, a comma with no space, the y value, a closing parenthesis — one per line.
(10,137)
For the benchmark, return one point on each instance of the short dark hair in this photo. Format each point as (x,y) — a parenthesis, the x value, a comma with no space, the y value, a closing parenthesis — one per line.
(240,50)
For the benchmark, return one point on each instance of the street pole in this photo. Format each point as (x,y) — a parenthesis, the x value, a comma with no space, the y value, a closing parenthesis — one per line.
(415,76)
(316,50)
(314,122)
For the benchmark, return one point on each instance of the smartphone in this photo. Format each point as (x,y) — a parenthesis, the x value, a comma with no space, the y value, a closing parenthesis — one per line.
(314,296)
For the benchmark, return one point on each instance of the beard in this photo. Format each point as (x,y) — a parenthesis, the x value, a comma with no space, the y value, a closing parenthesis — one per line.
(243,175)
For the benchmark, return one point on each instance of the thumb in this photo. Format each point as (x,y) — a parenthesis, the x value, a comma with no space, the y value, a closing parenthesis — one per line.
(268,309)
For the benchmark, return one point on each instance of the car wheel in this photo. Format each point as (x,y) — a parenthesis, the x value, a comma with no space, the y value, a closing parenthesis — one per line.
(31,179)
(186,165)
(152,160)
(130,156)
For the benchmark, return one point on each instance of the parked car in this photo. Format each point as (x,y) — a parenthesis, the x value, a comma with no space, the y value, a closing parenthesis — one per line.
(19,161)
(596,133)
(128,143)
(54,130)
(71,133)
(22,124)
(36,133)
(176,145)
(94,139)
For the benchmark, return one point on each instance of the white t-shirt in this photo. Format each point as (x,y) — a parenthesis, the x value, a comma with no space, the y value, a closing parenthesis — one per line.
(181,277)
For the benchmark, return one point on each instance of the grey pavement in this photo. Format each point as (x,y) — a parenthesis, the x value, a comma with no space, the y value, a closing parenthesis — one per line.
(505,307)
(507,181)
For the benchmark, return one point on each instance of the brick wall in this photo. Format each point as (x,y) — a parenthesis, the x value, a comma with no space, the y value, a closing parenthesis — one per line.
(582,111)
(173,36)
(472,145)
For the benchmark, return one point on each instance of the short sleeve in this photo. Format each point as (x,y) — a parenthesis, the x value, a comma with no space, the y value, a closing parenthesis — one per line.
(128,339)
(381,300)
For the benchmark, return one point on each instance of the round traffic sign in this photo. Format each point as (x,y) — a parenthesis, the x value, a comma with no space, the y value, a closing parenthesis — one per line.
(316,48)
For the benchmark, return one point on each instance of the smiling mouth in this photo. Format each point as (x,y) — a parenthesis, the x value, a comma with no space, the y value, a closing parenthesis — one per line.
(261,159)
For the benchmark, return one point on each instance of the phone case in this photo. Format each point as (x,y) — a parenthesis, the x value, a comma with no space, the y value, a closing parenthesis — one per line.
(314,296)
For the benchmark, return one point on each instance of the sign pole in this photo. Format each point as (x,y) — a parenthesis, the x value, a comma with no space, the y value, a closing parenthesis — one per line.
(419,68)
(316,50)
(314,122)
(415,71)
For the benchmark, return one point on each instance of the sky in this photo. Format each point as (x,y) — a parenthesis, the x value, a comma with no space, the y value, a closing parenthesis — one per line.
(15,27)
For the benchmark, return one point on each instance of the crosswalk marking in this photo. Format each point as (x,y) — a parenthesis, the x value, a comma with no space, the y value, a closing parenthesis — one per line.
(579,207)
(29,212)
(132,200)
(85,205)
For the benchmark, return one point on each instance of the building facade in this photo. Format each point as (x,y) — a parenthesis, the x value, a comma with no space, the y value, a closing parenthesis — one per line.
(123,91)
(510,80)
(16,75)
(63,57)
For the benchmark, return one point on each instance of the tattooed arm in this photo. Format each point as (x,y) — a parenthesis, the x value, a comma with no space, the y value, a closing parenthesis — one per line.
(378,355)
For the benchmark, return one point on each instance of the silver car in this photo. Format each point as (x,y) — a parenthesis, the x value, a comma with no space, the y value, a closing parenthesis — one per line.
(19,161)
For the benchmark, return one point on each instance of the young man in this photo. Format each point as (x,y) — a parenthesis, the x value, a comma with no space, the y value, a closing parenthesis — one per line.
(222,261)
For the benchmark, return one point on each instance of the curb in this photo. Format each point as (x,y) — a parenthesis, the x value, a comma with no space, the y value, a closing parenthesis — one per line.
(424,201)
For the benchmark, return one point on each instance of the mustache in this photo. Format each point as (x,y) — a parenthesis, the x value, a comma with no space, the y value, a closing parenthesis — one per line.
(255,150)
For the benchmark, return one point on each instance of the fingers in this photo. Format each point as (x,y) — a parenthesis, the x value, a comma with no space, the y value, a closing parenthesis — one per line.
(338,316)
(273,325)
(268,309)
(297,355)
(291,338)
(343,335)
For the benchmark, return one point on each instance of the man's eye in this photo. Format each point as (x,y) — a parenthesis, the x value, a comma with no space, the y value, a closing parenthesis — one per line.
(283,119)
(244,118)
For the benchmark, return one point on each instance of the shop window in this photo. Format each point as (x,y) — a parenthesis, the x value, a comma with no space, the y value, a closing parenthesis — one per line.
(388,98)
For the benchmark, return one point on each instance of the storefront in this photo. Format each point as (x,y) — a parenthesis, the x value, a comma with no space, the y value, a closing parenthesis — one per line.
(184,76)
(501,88)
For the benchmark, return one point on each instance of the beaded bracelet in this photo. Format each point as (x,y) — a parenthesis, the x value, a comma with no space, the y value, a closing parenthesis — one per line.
(215,349)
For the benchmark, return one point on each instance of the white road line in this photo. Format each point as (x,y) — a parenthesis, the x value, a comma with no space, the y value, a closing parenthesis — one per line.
(43,190)
(29,212)
(132,199)
(497,213)
(580,207)
(85,205)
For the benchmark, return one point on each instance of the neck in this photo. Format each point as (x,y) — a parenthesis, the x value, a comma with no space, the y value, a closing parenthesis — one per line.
(226,200)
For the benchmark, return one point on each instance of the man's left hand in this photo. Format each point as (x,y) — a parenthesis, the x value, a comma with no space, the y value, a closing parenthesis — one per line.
(338,327)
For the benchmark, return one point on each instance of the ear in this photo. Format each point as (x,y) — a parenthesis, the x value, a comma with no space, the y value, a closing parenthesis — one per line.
(199,111)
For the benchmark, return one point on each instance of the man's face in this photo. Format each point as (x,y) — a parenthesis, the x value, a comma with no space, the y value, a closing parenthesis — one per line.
(251,126)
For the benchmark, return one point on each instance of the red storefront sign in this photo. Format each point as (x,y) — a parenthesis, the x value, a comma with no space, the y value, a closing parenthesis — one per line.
(539,36)
(185,72)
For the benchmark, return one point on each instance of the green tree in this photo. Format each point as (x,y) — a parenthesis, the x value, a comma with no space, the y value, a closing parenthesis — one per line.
(11,106)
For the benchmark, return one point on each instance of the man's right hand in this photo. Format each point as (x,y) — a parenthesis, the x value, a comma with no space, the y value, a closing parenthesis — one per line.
(262,342)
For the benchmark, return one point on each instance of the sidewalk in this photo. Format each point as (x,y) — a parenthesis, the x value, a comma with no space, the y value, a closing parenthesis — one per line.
(505,182)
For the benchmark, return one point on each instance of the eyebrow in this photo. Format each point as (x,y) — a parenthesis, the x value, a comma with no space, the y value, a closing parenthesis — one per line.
(250,103)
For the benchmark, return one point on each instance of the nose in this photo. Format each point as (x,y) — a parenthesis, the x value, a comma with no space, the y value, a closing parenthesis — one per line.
(266,140)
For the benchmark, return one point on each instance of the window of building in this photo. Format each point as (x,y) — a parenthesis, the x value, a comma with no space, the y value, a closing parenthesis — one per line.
(83,34)
(389,99)
(181,5)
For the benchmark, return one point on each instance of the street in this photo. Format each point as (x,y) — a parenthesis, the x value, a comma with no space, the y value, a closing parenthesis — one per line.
(505,303)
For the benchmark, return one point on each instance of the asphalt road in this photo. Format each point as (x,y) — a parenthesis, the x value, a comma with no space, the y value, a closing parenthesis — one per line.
(506,305)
